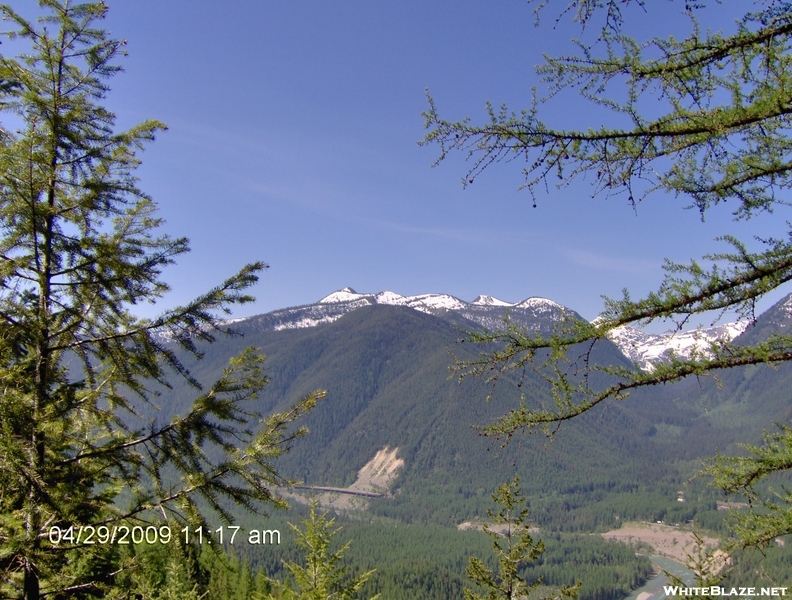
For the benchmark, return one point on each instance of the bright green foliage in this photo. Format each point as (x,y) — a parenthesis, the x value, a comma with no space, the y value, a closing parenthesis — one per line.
(322,577)
(189,571)
(514,549)
(162,573)
(742,474)
(721,135)
(178,585)
(79,247)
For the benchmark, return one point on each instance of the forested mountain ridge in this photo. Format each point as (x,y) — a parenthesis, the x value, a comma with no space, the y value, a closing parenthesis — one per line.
(486,311)
(533,313)
(386,369)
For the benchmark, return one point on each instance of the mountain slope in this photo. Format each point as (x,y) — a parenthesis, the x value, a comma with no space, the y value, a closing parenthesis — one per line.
(484,310)
(645,349)
(535,314)
(386,370)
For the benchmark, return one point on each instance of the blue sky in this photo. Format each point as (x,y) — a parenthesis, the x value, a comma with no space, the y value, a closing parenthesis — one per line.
(293,130)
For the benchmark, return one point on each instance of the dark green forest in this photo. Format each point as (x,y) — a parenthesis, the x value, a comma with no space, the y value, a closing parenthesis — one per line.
(628,463)
(386,371)
(411,561)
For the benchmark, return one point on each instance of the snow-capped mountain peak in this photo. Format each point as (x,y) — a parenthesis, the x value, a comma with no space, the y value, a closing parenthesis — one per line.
(431,302)
(535,314)
(490,301)
(539,303)
(647,349)
(488,311)
(425,302)
(393,298)
(344,295)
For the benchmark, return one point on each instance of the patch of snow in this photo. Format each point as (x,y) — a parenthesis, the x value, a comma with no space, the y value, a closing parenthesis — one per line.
(786,307)
(732,330)
(306,322)
(391,298)
(344,295)
(648,349)
(539,303)
(488,320)
(490,301)
(428,302)
(229,321)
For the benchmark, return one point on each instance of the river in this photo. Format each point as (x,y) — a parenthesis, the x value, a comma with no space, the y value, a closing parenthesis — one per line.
(653,589)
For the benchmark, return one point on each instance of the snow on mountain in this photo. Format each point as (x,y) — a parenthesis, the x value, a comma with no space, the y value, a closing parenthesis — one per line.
(345,295)
(387,297)
(785,305)
(430,303)
(540,304)
(422,302)
(535,314)
(646,349)
(490,301)
(778,316)
(488,311)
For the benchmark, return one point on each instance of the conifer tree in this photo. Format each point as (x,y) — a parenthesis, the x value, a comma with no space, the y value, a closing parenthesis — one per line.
(162,573)
(514,549)
(323,577)
(79,248)
(722,136)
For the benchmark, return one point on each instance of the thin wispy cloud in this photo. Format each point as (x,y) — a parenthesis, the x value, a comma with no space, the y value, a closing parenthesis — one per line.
(593,260)
(340,205)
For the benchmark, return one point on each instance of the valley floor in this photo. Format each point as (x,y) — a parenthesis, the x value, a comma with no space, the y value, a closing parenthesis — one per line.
(666,540)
